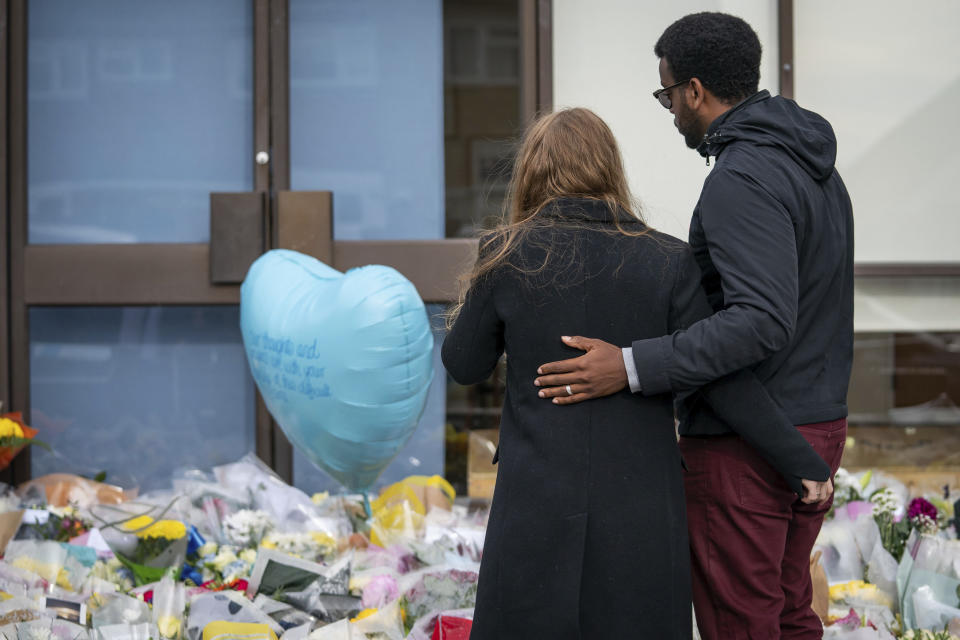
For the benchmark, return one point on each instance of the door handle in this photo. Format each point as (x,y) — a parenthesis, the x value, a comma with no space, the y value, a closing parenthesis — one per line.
(239,229)
(305,223)
(238,234)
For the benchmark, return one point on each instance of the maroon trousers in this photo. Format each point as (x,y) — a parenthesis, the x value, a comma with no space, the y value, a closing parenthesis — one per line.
(751,538)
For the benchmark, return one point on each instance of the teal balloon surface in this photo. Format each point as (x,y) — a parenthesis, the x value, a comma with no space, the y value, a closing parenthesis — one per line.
(343,361)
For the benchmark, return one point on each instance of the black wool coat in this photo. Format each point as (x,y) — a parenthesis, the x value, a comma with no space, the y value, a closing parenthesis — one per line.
(587,535)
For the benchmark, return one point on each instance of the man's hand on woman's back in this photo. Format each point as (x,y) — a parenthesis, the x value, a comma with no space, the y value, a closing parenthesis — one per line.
(597,373)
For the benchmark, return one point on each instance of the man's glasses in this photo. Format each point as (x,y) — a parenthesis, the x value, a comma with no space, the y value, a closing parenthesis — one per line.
(663,97)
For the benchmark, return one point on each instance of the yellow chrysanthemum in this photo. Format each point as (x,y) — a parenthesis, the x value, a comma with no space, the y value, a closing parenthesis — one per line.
(137,523)
(10,428)
(366,613)
(169,529)
(147,527)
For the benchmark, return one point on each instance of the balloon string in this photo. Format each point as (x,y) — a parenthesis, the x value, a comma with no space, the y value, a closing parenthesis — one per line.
(366,504)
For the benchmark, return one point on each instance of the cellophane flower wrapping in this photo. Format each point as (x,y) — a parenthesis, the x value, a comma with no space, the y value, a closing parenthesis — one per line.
(169,604)
(438,589)
(119,609)
(889,556)
(124,631)
(931,562)
(43,558)
(21,608)
(40,629)
(443,625)
(383,624)
(150,548)
(228,606)
(290,509)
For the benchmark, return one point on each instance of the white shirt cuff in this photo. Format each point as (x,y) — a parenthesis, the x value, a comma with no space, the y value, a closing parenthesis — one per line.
(631,368)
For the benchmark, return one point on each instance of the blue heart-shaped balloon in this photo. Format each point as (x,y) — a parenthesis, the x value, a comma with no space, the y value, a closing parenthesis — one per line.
(343,361)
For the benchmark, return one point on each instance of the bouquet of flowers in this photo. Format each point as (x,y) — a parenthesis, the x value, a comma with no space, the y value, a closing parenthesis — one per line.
(61,524)
(160,548)
(438,589)
(921,516)
(14,436)
(246,528)
(928,580)
(217,567)
(927,634)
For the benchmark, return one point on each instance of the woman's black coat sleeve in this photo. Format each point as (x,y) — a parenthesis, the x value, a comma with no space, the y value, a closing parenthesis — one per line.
(741,401)
(475,342)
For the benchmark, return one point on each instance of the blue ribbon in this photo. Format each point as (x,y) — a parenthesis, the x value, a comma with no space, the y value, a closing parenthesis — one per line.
(194,541)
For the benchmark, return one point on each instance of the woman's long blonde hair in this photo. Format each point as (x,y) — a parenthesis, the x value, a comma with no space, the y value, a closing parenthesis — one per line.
(565,154)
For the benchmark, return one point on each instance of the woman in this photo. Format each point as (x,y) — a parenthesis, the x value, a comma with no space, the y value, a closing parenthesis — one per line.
(587,535)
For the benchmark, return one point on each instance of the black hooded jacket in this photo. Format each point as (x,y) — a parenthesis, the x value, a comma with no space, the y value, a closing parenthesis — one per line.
(773,236)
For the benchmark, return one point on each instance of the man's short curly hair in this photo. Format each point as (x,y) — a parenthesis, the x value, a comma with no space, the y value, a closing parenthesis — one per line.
(719,49)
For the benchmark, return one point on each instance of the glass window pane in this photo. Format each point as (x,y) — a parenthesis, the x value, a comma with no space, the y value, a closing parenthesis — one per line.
(904,402)
(136,111)
(366,119)
(482,116)
(473,432)
(858,63)
(463,61)
(423,453)
(139,391)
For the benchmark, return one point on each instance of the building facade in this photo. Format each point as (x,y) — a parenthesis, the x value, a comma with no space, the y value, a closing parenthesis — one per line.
(152,150)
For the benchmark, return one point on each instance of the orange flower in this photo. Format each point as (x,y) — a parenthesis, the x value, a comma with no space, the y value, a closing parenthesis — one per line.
(13,432)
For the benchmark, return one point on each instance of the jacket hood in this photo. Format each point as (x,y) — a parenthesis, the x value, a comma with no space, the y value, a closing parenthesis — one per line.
(776,122)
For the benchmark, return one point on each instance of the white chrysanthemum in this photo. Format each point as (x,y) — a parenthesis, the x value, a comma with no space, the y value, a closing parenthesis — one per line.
(302,545)
(884,501)
(246,528)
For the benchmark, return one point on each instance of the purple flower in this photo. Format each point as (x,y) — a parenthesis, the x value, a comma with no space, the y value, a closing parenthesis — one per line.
(921,507)
(379,591)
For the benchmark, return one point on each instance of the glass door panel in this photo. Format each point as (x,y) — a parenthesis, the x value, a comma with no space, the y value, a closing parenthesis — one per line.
(136,112)
(139,391)
(366,114)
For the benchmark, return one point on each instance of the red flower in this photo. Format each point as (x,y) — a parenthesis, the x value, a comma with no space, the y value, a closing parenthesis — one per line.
(921,507)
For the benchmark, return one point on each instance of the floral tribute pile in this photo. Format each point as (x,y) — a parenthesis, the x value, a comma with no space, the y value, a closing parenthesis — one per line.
(236,552)
(892,561)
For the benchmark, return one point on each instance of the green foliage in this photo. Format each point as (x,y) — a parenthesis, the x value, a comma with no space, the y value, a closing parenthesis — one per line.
(14,441)
(893,535)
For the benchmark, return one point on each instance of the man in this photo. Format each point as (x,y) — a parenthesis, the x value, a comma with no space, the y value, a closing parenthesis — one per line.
(773,235)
